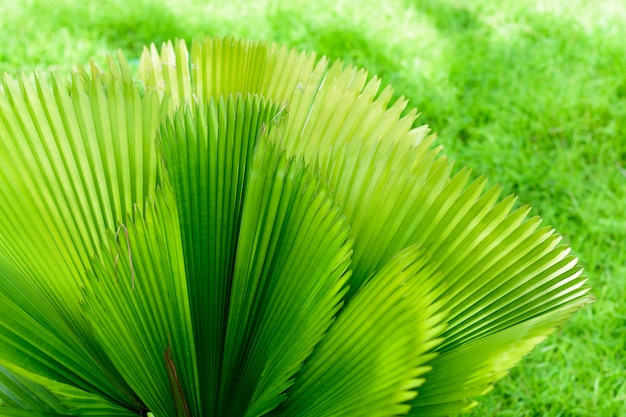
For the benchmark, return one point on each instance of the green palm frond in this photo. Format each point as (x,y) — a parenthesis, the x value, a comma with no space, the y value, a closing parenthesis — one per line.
(28,394)
(289,278)
(208,154)
(137,303)
(22,393)
(373,358)
(462,374)
(247,230)
(72,156)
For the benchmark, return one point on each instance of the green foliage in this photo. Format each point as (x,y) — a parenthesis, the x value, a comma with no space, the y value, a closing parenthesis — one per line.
(530,93)
(246,230)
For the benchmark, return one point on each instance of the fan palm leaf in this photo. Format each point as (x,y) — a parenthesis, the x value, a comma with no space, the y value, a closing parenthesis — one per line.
(247,230)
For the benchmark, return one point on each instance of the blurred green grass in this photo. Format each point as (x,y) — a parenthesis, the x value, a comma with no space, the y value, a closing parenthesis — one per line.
(531,94)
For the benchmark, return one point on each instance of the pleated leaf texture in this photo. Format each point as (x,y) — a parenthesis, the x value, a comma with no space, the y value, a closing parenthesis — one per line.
(245,230)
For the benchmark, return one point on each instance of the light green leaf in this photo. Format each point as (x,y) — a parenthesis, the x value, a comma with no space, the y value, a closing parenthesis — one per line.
(27,342)
(137,301)
(289,278)
(221,66)
(74,157)
(375,355)
(469,371)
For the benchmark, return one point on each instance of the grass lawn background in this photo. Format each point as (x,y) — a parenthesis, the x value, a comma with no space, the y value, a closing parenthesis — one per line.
(531,94)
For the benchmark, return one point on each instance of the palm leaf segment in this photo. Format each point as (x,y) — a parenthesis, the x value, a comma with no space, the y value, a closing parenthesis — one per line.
(252,231)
